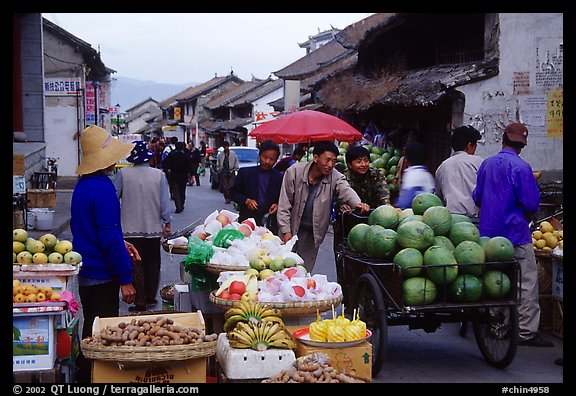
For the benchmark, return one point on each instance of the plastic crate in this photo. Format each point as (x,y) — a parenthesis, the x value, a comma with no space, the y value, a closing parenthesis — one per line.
(249,364)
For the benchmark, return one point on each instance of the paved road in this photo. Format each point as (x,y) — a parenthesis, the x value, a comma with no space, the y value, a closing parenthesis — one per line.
(413,356)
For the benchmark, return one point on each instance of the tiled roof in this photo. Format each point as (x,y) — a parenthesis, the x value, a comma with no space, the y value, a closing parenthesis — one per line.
(234,94)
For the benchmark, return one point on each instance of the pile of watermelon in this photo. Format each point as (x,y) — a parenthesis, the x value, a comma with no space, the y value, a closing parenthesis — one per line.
(439,252)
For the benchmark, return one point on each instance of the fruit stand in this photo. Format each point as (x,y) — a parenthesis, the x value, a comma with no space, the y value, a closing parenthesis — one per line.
(424,266)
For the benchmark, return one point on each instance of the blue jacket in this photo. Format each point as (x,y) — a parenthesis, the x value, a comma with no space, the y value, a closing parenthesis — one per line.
(246,186)
(507,194)
(97,230)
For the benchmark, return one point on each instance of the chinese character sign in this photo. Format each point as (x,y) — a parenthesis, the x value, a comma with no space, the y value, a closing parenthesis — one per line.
(555,113)
(90,105)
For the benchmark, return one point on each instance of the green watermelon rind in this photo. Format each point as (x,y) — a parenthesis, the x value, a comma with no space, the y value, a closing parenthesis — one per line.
(416,234)
(470,291)
(418,291)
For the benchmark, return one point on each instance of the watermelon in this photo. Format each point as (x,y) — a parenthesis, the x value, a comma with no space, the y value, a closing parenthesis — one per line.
(377,150)
(442,240)
(385,216)
(483,241)
(468,253)
(386,157)
(496,284)
(499,249)
(418,291)
(357,237)
(409,257)
(436,259)
(439,218)
(394,160)
(415,234)
(380,242)
(463,231)
(379,163)
(465,288)
(457,218)
(410,218)
(373,157)
(423,201)
(405,213)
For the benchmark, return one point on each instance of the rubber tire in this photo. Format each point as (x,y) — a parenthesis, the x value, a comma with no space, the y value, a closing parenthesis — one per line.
(493,349)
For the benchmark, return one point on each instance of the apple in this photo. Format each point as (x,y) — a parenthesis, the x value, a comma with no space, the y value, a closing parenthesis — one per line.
(235,296)
(311,284)
(247,296)
(250,224)
(290,272)
(223,219)
(202,236)
(237,287)
(299,290)
(245,229)
(225,294)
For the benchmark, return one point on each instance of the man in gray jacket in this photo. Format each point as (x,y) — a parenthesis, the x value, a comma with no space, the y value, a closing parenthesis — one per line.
(305,205)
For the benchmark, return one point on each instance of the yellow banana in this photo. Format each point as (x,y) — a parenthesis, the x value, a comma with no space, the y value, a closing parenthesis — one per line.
(265,330)
(249,329)
(278,335)
(273,319)
(273,328)
(233,311)
(239,345)
(283,343)
(271,312)
(241,336)
(231,322)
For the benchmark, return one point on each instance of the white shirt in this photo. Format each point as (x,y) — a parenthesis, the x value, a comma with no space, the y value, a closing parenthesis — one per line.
(455,181)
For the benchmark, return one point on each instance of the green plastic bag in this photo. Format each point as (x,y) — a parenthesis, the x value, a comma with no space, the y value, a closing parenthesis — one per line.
(224,237)
(199,253)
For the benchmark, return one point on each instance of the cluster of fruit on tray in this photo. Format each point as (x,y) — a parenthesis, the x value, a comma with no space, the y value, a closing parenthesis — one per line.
(31,293)
(265,266)
(338,329)
(45,250)
(256,326)
(547,238)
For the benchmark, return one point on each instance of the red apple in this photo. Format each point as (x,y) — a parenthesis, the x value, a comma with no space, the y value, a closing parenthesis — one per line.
(202,235)
(237,287)
(245,229)
(223,219)
(250,224)
(311,284)
(299,290)
(235,296)
(290,272)
(225,294)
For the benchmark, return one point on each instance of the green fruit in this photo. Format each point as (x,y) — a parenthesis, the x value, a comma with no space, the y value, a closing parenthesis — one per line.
(276,264)
(380,242)
(24,257)
(35,246)
(73,258)
(423,201)
(55,258)
(257,264)
(469,253)
(439,218)
(410,218)
(393,160)
(444,241)
(49,240)
(483,241)
(377,150)
(357,238)
(463,231)
(418,291)
(415,234)
(437,260)
(411,261)
(385,216)
(20,235)
(465,288)
(379,163)
(18,247)
(289,262)
(499,249)
(496,284)
(63,247)
(457,218)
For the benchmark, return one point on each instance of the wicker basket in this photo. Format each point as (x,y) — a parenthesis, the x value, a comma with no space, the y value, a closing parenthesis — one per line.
(291,308)
(175,249)
(217,268)
(147,354)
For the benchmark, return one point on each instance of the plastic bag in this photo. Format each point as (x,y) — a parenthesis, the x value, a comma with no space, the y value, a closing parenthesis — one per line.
(199,253)
(224,237)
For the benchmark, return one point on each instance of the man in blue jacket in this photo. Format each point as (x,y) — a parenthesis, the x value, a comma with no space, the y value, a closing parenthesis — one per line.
(256,189)
(507,194)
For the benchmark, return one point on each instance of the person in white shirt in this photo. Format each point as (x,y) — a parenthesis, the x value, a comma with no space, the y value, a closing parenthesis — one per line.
(416,178)
(456,176)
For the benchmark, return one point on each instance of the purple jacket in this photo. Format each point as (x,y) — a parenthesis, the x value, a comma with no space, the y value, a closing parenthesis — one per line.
(507,194)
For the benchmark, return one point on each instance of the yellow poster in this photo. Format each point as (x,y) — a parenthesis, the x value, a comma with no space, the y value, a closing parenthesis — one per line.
(555,113)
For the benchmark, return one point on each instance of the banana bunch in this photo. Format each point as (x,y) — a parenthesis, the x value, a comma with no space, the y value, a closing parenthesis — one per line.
(337,329)
(251,312)
(260,336)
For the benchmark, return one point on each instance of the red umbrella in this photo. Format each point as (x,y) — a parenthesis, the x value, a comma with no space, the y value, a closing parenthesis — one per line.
(306,126)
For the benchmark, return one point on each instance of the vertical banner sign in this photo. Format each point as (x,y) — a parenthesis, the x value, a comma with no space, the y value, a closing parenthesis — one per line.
(555,113)
(90,104)
(291,95)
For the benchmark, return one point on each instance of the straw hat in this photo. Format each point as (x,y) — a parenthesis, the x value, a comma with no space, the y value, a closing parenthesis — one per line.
(100,150)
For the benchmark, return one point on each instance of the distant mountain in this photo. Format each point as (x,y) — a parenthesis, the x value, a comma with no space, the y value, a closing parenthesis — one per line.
(129,91)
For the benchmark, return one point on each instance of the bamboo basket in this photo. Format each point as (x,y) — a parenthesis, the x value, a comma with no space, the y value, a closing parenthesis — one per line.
(217,268)
(290,308)
(147,354)
(175,249)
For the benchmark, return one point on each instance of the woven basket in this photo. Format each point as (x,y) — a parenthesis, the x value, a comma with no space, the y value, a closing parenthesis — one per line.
(147,354)
(290,308)
(217,268)
(175,249)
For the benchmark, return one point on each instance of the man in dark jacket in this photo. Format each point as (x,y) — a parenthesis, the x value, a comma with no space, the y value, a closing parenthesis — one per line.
(177,166)
(257,188)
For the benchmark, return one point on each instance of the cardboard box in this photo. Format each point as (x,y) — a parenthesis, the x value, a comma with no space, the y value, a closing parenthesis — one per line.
(558,279)
(18,164)
(176,371)
(355,360)
(38,198)
(58,283)
(33,342)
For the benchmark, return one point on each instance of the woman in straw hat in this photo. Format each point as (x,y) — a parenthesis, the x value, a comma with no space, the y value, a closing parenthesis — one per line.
(95,223)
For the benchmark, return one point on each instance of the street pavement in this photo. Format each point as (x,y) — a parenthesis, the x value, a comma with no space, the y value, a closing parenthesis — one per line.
(412,356)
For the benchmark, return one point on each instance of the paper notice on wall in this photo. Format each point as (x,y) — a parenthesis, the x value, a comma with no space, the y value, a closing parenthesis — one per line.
(555,113)
(533,114)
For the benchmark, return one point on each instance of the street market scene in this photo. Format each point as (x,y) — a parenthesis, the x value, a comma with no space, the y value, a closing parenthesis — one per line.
(388,208)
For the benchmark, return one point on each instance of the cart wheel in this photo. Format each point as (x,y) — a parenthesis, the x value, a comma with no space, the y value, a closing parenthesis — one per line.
(496,332)
(370,302)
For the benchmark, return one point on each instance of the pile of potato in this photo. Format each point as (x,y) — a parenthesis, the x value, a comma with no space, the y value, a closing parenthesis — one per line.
(312,370)
(159,331)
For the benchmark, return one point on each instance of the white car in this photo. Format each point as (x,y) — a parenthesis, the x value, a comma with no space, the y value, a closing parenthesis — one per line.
(247,156)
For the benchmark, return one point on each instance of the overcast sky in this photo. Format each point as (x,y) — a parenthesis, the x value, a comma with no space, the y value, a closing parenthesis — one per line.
(193,47)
